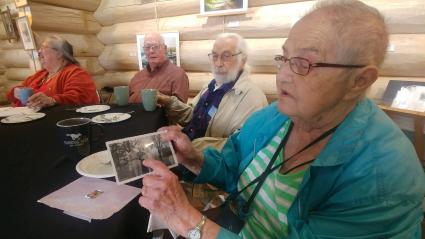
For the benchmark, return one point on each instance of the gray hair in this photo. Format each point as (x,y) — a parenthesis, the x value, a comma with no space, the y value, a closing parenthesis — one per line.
(241,45)
(361,30)
(64,47)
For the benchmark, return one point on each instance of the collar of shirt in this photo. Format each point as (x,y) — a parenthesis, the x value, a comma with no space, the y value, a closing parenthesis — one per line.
(158,68)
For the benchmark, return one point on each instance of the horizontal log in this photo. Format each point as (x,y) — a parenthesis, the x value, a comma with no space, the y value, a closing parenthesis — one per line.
(6,45)
(83,44)
(60,19)
(2,69)
(15,58)
(18,74)
(111,12)
(190,27)
(259,22)
(112,79)
(407,58)
(87,5)
(91,64)
(119,57)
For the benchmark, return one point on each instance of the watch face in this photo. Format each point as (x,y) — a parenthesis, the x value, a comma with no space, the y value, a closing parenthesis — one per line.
(194,234)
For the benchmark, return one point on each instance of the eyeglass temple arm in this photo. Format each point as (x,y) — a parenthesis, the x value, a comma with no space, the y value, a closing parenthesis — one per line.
(336,65)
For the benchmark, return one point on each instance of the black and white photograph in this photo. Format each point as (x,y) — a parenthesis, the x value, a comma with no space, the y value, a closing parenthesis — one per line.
(8,25)
(129,153)
(25,33)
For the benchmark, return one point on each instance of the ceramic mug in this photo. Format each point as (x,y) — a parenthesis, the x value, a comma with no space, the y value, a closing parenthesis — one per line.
(76,134)
(149,98)
(121,95)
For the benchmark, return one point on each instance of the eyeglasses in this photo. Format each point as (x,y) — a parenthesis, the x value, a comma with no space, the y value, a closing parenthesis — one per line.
(225,57)
(152,47)
(302,66)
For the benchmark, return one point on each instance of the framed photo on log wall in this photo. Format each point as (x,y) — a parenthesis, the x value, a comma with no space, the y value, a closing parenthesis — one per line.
(171,40)
(222,7)
(25,33)
(9,25)
(21,3)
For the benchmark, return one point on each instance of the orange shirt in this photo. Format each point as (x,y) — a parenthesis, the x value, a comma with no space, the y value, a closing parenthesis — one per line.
(71,86)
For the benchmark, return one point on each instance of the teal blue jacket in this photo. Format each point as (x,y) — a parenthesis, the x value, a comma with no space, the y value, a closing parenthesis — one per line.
(366,183)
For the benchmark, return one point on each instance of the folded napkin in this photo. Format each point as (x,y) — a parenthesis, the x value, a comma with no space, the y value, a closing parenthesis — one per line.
(9,111)
(91,198)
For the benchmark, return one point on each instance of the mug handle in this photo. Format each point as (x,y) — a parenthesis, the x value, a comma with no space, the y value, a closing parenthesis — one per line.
(100,133)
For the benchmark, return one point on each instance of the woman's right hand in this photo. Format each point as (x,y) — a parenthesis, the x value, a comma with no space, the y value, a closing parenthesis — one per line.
(186,154)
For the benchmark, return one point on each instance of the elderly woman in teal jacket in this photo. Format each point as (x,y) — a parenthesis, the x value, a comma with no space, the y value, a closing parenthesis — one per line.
(342,168)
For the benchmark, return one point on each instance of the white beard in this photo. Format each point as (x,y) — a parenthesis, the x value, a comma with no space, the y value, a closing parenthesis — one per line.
(223,79)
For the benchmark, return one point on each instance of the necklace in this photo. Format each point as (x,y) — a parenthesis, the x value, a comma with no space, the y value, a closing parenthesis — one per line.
(49,76)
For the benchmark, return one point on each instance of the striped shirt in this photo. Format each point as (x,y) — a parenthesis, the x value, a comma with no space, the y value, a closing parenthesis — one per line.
(271,204)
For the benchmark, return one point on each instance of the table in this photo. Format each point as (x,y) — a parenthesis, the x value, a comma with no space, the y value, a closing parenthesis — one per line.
(33,165)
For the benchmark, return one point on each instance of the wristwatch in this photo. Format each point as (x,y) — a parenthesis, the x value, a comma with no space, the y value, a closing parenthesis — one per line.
(196,233)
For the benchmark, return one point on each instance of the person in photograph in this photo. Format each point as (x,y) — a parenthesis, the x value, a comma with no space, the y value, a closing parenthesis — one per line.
(345,169)
(224,104)
(160,73)
(61,81)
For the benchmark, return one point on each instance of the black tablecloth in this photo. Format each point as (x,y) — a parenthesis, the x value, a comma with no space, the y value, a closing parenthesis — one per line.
(33,165)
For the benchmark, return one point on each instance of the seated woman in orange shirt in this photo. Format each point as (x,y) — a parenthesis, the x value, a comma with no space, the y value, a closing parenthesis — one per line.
(60,81)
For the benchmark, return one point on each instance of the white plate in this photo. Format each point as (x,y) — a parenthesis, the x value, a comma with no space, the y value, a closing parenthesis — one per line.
(97,165)
(110,118)
(9,111)
(21,118)
(93,108)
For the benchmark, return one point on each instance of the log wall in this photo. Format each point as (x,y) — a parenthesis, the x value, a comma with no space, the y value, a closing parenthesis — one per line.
(72,20)
(265,25)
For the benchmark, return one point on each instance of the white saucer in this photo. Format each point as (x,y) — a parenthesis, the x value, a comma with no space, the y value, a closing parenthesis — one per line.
(93,108)
(21,118)
(97,165)
(110,118)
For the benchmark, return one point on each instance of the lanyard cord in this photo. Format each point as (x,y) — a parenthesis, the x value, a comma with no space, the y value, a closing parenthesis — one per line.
(260,179)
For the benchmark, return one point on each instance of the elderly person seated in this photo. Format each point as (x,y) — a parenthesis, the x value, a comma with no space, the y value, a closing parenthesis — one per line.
(341,167)
(225,103)
(160,72)
(60,81)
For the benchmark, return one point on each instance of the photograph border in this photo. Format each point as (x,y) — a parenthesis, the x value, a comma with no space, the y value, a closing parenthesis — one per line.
(8,24)
(117,180)
(21,3)
(241,10)
(30,45)
(139,38)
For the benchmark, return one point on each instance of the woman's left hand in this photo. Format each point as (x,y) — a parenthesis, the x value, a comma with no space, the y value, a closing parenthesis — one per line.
(40,100)
(164,197)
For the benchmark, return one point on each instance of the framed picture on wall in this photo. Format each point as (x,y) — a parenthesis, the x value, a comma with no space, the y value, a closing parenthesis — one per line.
(21,3)
(222,7)
(8,25)
(171,40)
(25,33)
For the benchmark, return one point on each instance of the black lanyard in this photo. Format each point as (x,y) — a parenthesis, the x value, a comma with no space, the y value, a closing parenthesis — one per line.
(260,179)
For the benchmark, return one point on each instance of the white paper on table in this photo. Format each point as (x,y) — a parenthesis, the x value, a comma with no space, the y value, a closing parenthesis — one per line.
(411,98)
(156,224)
(9,111)
(72,198)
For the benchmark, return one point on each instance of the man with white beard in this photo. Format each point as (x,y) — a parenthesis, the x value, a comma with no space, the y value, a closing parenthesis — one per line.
(223,105)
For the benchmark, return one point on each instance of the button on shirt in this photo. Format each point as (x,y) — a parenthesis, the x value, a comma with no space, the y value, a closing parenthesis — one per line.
(206,109)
